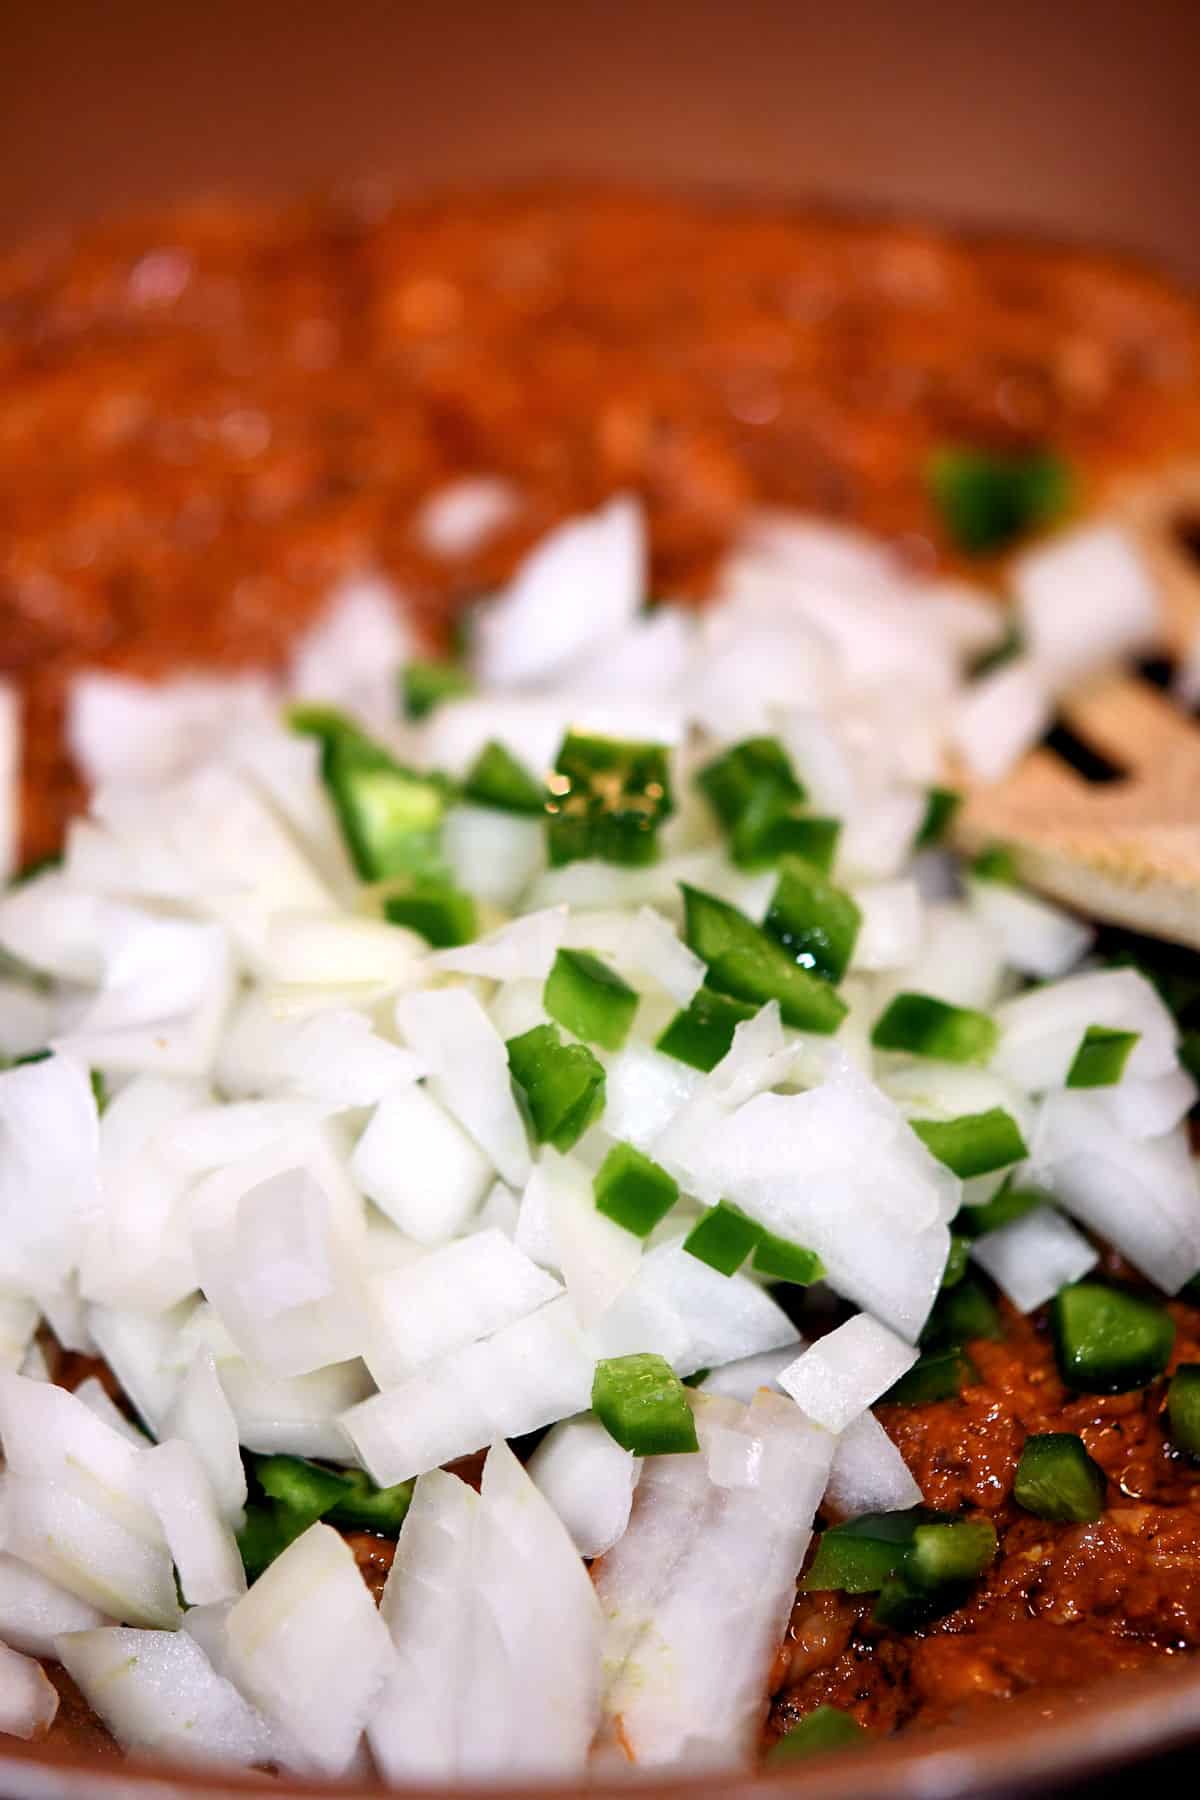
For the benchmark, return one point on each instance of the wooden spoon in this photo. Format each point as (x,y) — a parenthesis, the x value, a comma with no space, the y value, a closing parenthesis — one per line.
(1128,850)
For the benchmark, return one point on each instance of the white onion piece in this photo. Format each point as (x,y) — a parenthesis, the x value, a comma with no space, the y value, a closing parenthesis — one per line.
(157,1691)
(284,768)
(961,960)
(580,586)
(161,1004)
(927,1089)
(18,1322)
(276,1237)
(742,1379)
(889,935)
(597,1257)
(838,1170)
(1001,716)
(661,954)
(26,1019)
(868,1473)
(650,656)
(427,1606)
(50,926)
(690,1648)
(138,1251)
(337,950)
(296,1417)
(350,655)
(453,1035)
(135,1346)
(310,1651)
(200,1540)
(419,1166)
(10,764)
(877,838)
(202,1417)
(93,1550)
(842,1374)
(95,1397)
(533,1671)
(517,1006)
(1038,938)
(456,520)
(589,1481)
(1147,1109)
(1141,1196)
(48,1147)
(1041,1031)
(1034,1256)
(333,1057)
(643,1091)
(493,855)
(524,949)
(451,1297)
(34,1610)
(528,1375)
(139,733)
(28,1698)
(1085,600)
(694,1317)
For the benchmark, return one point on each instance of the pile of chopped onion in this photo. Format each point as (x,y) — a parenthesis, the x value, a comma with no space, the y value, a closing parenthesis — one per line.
(315,1186)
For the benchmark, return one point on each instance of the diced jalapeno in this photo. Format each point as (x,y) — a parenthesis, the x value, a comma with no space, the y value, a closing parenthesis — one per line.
(563,1085)
(753,790)
(941,805)
(1183,1408)
(1003,1208)
(937,1375)
(961,1312)
(996,863)
(642,1403)
(424,685)
(858,1556)
(950,1550)
(702,1033)
(391,817)
(781,1260)
(743,961)
(589,998)
(1057,1479)
(1108,1340)
(988,498)
(607,799)
(1101,1057)
(723,1238)
(498,780)
(633,1190)
(816,923)
(443,915)
(957,1259)
(827,1728)
(974,1143)
(924,1026)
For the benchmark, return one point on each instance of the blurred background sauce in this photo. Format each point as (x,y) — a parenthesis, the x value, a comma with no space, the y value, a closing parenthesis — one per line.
(1076,118)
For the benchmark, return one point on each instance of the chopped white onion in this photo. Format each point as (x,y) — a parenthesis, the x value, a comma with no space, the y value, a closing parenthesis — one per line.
(742,1379)
(1034,1256)
(1041,1031)
(419,1166)
(200,1540)
(599,564)
(596,1257)
(157,1691)
(48,1147)
(349,657)
(34,1610)
(1085,600)
(868,1473)
(457,1041)
(1039,938)
(456,520)
(836,1379)
(28,1698)
(494,855)
(524,949)
(1000,717)
(691,1315)
(889,935)
(453,1296)
(308,1648)
(527,1375)
(589,1481)
(696,1594)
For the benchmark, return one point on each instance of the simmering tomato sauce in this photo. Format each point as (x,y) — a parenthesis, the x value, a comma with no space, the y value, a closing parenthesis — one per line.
(208,417)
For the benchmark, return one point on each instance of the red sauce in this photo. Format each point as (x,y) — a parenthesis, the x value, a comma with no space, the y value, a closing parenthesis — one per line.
(209,416)
(1063,1604)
